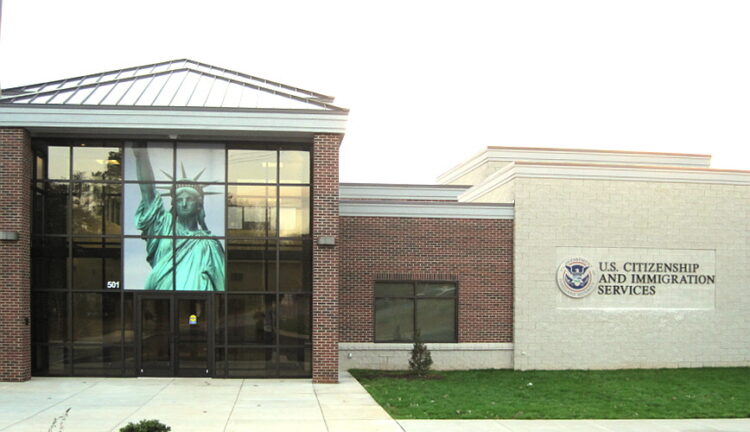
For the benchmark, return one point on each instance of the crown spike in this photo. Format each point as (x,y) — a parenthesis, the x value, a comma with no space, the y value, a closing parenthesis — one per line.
(169,176)
(199,174)
(182,165)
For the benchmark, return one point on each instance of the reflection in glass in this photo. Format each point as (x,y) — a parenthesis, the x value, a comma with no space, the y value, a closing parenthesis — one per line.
(192,330)
(96,317)
(37,217)
(251,319)
(128,332)
(436,289)
(251,166)
(294,167)
(295,266)
(39,168)
(394,289)
(49,263)
(129,353)
(251,211)
(161,154)
(394,320)
(96,208)
(97,360)
(294,320)
(155,334)
(294,211)
(50,360)
(220,362)
(251,362)
(295,362)
(55,208)
(97,163)
(435,320)
(58,163)
(96,264)
(50,317)
(251,266)
(219,327)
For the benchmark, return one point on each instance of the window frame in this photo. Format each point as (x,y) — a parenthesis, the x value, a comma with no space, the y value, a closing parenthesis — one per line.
(414,297)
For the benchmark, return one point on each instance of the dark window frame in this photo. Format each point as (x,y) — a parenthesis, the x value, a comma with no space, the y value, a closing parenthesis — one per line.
(414,298)
(39,186)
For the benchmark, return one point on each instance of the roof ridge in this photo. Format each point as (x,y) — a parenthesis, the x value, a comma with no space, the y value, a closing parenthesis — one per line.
(29,93)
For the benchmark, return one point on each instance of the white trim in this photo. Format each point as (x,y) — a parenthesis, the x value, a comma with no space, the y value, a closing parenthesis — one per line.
(401,192)
(463,168)
(408,209)
(32,117)
(606,173)
(491,183)
(574,156)
(370,346)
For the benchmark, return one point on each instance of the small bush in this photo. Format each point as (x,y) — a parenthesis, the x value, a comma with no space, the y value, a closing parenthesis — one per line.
(421,359)
(146,426)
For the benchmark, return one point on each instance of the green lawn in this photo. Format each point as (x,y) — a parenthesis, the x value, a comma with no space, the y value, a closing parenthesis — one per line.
(507,394)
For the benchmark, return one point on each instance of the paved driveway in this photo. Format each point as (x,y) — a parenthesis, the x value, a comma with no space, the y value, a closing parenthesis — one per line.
(207,405)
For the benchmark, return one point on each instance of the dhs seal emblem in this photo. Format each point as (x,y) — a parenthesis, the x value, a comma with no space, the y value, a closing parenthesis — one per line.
(575,277)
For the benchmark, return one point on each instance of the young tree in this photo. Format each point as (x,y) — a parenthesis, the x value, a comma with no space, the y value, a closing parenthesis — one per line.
(421,359)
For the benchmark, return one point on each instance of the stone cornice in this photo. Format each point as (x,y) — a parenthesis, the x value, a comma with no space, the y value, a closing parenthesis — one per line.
(579,171)
(558,155)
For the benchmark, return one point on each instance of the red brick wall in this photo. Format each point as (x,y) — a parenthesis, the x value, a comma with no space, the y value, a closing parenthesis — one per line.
(15,256)
(478,253)
(325,214)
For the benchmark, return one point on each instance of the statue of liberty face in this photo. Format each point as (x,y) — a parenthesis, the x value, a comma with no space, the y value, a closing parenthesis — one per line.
(188,202)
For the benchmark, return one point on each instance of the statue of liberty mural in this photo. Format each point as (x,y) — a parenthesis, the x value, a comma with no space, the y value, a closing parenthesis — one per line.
(194,264)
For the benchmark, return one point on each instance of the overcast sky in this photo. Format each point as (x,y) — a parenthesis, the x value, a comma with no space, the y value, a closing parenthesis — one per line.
(430,84)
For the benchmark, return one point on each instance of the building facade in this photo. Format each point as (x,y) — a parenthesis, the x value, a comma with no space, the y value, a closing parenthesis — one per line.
(179,219)
(167,219)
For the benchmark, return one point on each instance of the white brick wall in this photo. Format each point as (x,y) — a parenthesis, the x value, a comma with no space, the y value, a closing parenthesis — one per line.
(554,215)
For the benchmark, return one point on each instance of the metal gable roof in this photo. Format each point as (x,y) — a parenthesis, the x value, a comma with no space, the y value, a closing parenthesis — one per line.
(177,83)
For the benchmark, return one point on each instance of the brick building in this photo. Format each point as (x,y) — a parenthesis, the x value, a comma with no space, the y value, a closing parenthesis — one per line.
(180,219)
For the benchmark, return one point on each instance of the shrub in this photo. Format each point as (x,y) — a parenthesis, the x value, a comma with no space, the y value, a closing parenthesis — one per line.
(146,426)
(421,359)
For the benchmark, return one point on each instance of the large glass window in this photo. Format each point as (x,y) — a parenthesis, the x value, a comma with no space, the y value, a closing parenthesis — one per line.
(404,309)
(113,220)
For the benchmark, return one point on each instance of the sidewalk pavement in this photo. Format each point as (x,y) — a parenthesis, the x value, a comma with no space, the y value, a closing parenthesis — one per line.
(268,405)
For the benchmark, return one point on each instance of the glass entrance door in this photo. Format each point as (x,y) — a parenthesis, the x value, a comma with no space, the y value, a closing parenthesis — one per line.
(155,348)
(174,335)
(192,336)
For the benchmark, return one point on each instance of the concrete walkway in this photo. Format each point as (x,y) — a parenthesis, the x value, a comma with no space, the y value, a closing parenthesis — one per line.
(208,405)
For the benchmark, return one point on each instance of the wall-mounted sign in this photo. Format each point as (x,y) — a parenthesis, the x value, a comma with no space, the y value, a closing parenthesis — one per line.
(575,277)
(636,278)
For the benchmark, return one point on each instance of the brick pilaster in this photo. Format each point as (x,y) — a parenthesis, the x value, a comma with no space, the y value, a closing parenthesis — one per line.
(325,213)
(15,256)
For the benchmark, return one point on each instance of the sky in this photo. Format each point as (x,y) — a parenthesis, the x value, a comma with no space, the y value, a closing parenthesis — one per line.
(432,83)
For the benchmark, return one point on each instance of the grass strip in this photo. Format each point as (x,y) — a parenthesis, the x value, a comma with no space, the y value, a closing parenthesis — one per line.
(610,394)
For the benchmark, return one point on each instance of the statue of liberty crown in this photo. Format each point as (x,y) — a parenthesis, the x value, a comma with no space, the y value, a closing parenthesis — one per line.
(186,182)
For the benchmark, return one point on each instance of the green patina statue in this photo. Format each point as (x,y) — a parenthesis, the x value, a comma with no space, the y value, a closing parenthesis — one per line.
(193,264)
